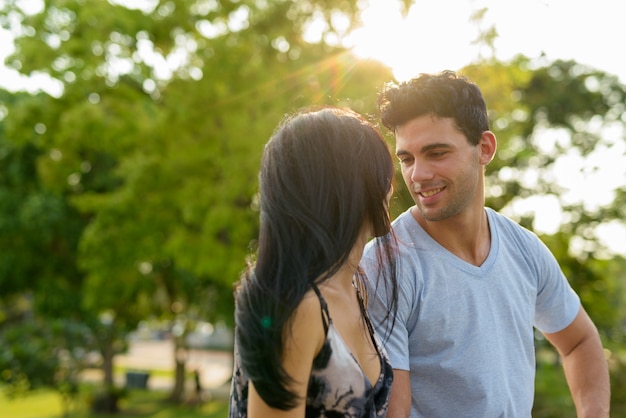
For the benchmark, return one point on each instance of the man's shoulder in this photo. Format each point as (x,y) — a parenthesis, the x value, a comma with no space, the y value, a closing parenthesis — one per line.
(503,221)
(509,229)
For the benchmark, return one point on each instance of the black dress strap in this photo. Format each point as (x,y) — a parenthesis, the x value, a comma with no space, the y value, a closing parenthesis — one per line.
(324,307)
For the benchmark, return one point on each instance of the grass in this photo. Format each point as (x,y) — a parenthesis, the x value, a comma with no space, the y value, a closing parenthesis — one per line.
(138,403)
(39,404)
(552,400)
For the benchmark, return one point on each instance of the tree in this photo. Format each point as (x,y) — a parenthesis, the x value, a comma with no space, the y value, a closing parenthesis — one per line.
(43,340)
(162,168)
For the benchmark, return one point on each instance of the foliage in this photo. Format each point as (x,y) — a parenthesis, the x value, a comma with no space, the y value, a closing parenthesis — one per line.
(44,353)
(153,167)
(617,368)
(552,399)
(39,230)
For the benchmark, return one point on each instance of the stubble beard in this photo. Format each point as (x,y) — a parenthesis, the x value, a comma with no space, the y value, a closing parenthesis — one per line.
(460,194)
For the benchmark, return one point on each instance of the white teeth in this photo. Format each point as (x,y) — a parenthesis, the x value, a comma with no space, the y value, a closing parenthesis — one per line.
(430,193)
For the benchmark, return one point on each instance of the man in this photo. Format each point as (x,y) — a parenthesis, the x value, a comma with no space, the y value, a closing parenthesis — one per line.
(473,285)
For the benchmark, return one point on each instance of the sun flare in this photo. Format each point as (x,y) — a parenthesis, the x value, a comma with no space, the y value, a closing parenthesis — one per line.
(416,42)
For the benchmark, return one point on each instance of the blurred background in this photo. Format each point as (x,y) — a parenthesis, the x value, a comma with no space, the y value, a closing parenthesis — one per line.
(130,138)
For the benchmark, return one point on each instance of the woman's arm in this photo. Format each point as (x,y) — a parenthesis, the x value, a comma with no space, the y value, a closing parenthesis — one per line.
(303,341)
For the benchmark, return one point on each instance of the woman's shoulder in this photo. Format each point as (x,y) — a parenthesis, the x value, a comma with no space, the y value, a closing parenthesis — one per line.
(306,327)
(309,310)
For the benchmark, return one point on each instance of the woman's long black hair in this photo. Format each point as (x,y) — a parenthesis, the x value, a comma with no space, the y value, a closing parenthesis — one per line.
(324,174)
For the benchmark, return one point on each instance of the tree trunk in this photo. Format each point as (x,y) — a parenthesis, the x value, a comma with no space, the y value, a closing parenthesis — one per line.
(107,400)
(107,363)
(180,361)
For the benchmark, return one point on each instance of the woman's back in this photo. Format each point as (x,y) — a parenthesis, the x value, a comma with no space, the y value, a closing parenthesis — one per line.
(344,381)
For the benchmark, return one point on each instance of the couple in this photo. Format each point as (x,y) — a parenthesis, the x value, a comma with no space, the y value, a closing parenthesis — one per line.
(435,316)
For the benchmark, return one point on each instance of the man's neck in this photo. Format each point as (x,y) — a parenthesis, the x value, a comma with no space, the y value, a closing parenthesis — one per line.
(466,235)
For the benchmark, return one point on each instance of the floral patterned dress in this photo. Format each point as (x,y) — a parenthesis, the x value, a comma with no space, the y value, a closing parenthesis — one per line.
(338,387)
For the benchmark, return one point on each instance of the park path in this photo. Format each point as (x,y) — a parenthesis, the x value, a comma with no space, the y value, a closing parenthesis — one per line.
(214,367)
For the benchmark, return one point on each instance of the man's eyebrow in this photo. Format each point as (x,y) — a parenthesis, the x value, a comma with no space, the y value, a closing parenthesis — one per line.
(438,145)
(426,148)
(401,152)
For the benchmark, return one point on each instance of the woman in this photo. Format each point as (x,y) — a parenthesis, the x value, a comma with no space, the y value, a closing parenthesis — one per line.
(305,346)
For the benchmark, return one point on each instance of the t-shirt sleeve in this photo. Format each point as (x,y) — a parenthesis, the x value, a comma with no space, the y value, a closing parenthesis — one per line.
(557,303)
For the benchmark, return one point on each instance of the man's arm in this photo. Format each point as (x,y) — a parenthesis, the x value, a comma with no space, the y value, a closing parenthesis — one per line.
(585,366)
(400,400)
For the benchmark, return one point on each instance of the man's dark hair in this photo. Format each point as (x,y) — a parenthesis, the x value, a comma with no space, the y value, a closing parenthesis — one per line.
(445,95)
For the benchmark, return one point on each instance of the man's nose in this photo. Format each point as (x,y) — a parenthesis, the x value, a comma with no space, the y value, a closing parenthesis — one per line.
(421,172)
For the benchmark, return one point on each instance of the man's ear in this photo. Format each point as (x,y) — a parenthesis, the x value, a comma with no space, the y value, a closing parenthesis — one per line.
(487,147)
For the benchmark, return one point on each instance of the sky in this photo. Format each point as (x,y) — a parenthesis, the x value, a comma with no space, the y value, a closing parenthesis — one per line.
(438,35)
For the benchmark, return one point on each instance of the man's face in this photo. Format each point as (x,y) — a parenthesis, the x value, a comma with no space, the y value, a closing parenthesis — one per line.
(440,167)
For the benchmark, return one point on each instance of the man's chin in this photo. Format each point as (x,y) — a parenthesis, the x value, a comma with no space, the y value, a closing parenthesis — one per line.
(431,215)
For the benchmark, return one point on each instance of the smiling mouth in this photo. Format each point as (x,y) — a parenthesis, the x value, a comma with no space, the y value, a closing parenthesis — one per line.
(431,192)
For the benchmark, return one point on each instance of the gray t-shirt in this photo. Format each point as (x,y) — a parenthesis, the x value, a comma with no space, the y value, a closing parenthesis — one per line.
(466,333)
